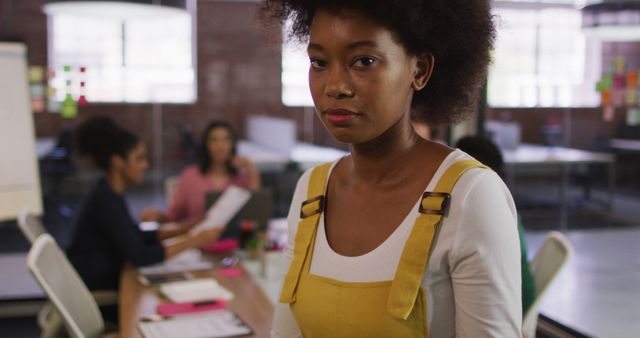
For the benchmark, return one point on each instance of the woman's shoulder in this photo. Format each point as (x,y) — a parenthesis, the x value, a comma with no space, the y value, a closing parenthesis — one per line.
(301,192)
(479,189)
(474,181)
(456,156)
(304,179)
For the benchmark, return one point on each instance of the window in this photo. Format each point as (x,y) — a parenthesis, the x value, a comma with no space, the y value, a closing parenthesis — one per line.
(134,60)
(295,70)
(542,59)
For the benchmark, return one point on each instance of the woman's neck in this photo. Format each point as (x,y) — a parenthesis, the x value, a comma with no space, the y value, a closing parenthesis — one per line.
(218,169)
(385,156)
(116,182)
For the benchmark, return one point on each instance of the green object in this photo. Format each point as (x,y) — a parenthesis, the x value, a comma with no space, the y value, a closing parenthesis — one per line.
(528,283)
(607,82)
(67,68)
(69,107)
(252,243)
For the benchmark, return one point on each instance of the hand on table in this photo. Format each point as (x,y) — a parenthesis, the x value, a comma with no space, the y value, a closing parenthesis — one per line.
(150,214)
(207,236)
(188,225)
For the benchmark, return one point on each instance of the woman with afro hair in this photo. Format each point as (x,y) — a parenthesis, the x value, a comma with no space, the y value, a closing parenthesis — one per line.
(403,237)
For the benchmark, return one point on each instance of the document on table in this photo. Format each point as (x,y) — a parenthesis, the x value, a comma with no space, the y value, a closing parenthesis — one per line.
(190,260)
(214,324)
(223,210)
(195,290)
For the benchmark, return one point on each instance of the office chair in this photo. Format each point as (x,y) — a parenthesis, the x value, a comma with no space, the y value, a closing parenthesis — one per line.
(548,261)
(32,228)
(30,225)
(64,288)
(48,319)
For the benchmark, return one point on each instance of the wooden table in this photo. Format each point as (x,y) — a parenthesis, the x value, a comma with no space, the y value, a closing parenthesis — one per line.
(249,302)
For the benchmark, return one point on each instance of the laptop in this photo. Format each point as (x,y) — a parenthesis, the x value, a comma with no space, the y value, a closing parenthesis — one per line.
(258,209)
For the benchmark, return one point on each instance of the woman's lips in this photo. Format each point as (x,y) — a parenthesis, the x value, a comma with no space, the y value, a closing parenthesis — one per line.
(340,117)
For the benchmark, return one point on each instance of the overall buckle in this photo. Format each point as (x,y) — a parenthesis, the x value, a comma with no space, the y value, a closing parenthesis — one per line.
(444,206)
(320,200)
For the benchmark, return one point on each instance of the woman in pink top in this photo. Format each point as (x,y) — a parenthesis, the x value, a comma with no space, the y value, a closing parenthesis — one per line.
(218,168)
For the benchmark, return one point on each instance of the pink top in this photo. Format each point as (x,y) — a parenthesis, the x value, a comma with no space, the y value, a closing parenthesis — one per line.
(192,188)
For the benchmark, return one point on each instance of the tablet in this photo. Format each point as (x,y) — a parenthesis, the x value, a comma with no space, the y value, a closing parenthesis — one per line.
(258,209)
(155,279)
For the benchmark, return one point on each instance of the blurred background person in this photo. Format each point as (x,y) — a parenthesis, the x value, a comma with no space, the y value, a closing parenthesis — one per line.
(105,234)
(218,168)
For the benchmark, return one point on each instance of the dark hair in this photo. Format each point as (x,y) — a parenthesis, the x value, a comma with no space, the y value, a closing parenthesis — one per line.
(459,34)
(483,150)
(204,157)
(100,138)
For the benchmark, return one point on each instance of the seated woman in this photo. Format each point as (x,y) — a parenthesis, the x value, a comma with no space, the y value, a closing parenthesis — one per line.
(218,168)
(105,235)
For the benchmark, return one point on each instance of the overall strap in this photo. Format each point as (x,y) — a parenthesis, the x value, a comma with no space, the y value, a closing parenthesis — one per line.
(415,255)
(310,212)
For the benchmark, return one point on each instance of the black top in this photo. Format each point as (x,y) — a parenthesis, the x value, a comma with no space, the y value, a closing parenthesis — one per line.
(106,236)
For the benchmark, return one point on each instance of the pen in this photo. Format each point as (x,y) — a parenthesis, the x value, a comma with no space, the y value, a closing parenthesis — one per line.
(154,318)
(204,303)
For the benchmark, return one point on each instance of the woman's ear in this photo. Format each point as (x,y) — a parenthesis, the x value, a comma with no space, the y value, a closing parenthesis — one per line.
(424,68)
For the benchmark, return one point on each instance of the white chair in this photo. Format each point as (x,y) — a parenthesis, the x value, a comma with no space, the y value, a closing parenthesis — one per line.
(548,261)
(64,288)
(48,319)
(30,225)
(32,228)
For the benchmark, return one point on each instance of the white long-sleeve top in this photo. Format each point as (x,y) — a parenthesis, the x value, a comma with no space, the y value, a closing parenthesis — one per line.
(473,276)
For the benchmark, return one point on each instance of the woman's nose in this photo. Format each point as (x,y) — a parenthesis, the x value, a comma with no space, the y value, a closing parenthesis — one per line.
(338,85)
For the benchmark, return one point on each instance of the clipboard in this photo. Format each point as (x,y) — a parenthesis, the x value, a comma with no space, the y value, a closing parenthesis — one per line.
(211,324)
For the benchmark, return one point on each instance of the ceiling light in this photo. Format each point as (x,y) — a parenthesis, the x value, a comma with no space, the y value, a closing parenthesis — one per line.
(612,20)
(138,9)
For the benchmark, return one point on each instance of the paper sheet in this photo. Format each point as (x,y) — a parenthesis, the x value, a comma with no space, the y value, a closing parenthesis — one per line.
(190,260)
(214,324)
(227,206)
(195,290)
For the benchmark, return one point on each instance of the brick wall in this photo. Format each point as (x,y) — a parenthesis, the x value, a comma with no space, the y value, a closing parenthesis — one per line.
(582,124)
(238,75)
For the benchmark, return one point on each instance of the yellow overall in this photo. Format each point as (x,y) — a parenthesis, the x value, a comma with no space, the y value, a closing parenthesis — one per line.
(324,307)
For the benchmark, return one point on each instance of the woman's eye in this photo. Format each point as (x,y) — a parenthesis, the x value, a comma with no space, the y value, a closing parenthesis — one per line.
(364,61)
(317,64)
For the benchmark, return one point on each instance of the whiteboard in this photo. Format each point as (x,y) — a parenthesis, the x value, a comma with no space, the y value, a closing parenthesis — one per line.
(19,180)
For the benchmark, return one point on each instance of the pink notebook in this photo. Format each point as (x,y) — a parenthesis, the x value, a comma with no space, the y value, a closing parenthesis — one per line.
(230,272)
(170,309)
(223,245)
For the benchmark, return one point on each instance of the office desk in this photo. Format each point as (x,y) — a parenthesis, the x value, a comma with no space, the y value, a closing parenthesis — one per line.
(619,144)
(528,155)
(249,302)
(304,154)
